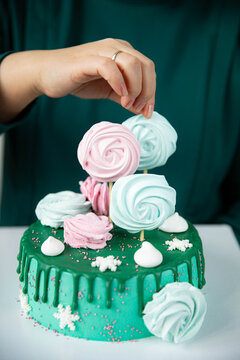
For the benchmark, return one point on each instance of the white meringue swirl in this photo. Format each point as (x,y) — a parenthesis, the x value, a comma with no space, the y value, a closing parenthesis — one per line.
(156,137)
(53,208)
(141,202)
(176,312)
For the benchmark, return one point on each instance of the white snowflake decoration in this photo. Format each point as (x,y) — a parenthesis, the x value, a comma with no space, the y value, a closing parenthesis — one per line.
(24,302)
(106,263)
(66,317)
(177,244)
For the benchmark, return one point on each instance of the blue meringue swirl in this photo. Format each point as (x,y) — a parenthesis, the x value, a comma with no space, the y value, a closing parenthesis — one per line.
(53,208)
(157,139)
(141,202)
(176,312)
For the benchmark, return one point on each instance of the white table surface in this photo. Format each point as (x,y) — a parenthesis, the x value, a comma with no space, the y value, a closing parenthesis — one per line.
(219,337)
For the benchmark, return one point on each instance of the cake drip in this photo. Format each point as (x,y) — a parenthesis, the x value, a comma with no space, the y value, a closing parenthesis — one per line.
(32,250)
(97,194)
(156,137)
(87,231)
(109,151)
(53,208)
(141,202)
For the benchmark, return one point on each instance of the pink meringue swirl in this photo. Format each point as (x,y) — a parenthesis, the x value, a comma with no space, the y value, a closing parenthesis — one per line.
(109,151)
(87,231)
(97,193)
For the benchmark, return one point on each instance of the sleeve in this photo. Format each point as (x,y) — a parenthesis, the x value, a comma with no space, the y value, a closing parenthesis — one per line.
(231,196)
(20,117)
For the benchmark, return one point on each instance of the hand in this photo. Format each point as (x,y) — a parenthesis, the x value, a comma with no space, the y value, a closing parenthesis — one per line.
(88,71)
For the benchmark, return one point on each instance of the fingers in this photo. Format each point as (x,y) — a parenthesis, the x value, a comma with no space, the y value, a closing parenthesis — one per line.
(114,97)
(131,69)
(111,73)
(138,72)
(131,76)
(145,101)
(94,67)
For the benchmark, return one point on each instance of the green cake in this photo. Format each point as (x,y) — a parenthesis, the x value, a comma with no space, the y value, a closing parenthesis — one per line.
(109,304)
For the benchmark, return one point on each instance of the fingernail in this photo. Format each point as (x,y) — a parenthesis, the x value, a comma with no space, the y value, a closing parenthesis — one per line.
(149,110)
(129,104)
(139,107)
(124,91)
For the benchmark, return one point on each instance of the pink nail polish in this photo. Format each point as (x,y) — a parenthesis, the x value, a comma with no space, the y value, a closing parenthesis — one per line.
(129,104)
(124,91)
(139,107)
(149,111)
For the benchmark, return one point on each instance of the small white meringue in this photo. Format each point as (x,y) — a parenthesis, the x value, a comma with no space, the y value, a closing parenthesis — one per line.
(52,246)
(148,256)
(174,224)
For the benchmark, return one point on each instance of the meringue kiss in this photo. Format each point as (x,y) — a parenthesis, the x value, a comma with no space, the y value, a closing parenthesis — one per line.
(148,256)
(52,247)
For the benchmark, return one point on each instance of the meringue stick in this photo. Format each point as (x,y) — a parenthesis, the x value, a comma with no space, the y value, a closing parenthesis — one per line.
(110,191)
(142,235)
(142,231)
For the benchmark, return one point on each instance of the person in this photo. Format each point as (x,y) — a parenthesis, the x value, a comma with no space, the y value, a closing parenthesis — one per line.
(52,50)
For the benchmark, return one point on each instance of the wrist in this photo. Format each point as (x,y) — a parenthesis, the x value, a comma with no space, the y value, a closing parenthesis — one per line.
(18,83)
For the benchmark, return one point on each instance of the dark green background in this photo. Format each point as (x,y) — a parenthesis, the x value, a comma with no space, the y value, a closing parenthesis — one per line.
(195,46)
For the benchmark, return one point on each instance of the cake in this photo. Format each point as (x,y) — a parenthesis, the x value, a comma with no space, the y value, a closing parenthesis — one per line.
(134,275)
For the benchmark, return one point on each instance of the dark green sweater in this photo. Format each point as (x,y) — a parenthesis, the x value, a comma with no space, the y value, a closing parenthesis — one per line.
(195,46)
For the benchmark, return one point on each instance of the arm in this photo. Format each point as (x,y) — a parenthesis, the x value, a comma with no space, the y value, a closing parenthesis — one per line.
(86,71)
(17,84)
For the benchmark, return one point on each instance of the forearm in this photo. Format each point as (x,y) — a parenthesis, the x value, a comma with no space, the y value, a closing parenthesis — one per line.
(18,83)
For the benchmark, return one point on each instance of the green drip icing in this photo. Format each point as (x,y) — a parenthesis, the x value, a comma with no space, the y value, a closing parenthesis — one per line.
(189,267)
(189,264)
(56,290)
(158,280)
(90,288)
(108,293)
(75,292)
(121,285)
(30,249)
(199,272)
(38,274)
(175,275)
(201,269)
(24,255)
(27,266)
(45,285)
(19,257)
(140,294)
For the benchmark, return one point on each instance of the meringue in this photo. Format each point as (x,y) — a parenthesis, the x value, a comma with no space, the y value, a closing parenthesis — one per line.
(87,231)
(53,208)
(52,247)
(141,202)
(108,151)
(156,137)
(148,256)
(97,193)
